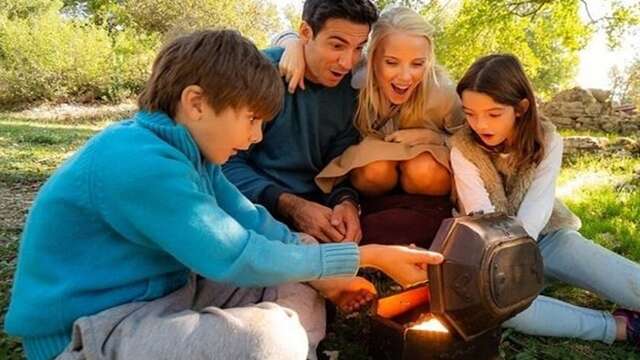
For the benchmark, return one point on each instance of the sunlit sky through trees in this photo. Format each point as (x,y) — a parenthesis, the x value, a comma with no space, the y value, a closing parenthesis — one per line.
(596,60)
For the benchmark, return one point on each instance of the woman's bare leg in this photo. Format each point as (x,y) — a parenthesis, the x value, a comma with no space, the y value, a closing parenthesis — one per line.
(425,176)
(375,178)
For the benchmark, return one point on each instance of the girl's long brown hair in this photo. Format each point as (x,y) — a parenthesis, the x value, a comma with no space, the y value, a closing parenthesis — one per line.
(502,78)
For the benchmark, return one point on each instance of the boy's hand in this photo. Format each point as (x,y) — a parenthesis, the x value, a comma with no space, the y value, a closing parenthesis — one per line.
(405,265)
(346,220)
(292,65)
(309,217)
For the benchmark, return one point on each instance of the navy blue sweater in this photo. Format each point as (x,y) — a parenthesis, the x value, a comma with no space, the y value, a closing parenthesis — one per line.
(314,126)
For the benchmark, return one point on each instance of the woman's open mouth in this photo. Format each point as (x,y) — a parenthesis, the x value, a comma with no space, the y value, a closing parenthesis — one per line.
(400,89)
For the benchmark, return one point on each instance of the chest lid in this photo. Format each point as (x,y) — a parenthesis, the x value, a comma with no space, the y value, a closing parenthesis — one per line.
(491,271)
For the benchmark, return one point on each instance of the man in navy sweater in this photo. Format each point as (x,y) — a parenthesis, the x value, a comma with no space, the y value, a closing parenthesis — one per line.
(314,126)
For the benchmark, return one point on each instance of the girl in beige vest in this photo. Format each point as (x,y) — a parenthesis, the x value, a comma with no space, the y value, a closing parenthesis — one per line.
(507,159)
(406,108)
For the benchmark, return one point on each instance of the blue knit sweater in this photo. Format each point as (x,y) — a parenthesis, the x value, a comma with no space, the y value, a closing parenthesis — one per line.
(128,217)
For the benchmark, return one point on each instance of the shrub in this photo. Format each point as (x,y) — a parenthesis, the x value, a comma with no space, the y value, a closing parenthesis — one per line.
(133,55)
(47,57)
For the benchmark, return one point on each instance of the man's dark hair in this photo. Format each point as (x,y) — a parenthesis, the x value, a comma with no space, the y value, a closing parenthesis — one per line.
(317,12)
(228,67)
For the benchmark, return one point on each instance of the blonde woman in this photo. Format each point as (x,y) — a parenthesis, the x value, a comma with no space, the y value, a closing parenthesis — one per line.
(406,108)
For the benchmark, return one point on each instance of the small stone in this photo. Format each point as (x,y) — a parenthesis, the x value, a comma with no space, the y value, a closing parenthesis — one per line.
(563,122)
(576,94)
(594,109)
(575,144)
(600,95)
(572,109)
(551,109)
(630,128)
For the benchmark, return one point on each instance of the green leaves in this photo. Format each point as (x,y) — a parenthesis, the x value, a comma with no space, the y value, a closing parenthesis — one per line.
(545,35)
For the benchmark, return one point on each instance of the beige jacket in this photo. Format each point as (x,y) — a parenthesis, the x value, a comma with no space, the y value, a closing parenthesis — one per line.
(443,116)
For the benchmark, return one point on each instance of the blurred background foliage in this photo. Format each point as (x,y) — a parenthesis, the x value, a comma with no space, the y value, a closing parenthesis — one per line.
(101,50)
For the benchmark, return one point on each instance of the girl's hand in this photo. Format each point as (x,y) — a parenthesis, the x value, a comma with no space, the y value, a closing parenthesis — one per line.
(405,265)
(292,65)
(414,137)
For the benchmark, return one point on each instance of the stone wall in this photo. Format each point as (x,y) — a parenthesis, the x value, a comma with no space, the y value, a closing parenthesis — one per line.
(583,109)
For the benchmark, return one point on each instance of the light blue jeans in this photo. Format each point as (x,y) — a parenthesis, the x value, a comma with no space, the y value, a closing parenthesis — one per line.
(570,258)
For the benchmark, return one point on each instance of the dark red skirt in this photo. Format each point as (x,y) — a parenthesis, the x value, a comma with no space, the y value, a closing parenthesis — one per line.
(403,219)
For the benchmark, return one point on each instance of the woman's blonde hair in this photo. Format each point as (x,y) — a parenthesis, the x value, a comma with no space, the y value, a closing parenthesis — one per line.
(371,99)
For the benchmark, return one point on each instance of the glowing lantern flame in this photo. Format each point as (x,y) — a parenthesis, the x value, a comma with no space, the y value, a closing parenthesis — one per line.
(433,325)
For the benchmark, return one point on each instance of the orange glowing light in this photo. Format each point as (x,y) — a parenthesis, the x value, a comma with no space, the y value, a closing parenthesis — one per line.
(433,325)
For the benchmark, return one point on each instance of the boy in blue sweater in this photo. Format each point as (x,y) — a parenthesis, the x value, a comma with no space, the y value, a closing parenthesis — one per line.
(138,247)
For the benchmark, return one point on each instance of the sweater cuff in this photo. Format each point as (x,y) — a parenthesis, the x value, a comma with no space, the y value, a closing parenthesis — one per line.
(45,347)
(341,259)
(269,197)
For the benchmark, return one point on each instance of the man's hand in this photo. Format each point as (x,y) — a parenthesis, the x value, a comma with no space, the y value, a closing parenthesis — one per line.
(309,217)
(346,220)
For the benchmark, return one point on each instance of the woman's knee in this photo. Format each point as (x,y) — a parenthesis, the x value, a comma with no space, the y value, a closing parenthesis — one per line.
(424,175)
(376,177)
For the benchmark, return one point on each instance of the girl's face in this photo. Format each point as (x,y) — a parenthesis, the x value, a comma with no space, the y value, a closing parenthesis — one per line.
(400,65)
(493,122)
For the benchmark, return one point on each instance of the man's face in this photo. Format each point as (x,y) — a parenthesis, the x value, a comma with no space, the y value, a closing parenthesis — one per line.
(333,51)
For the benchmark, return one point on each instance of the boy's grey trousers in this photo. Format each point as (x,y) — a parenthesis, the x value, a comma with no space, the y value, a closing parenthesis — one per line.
(206,320)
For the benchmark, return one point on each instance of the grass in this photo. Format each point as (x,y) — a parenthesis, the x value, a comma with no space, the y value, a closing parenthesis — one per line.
(29,152)
(600,189)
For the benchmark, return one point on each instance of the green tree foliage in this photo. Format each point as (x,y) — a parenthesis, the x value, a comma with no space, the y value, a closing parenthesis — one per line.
(255,19)
(626,84)
(414,4)
(103,49)
(547,41)
(48,57)
(12,9)
(293,16)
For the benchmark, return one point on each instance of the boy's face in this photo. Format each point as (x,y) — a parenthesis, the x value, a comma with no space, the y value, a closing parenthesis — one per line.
(333,51)
(220,136)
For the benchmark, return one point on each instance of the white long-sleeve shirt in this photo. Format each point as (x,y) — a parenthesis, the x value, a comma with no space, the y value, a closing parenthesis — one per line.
(537,205)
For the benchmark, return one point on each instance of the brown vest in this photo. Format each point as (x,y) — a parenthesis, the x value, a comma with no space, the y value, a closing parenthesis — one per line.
(506,184)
